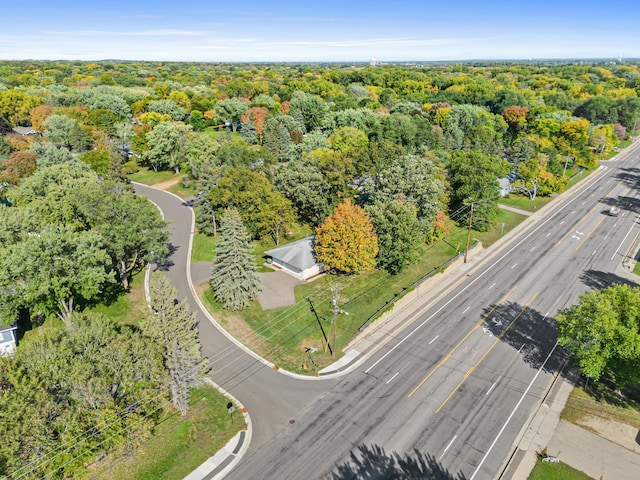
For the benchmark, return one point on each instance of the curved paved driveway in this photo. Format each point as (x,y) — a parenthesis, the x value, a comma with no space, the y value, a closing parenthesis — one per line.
(271,398)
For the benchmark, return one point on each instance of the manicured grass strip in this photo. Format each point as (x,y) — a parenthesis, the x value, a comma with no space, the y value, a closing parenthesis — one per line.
(600,400)
(179,444)
(202,248)
(556,471)
(149,177)
(282,335)
(523,202)
(182,191)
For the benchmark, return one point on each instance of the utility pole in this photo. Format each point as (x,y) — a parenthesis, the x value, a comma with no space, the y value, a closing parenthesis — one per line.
(466,250)
(326,340)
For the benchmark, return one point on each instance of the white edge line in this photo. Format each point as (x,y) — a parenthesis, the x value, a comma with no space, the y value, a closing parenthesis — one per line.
(481,274)
(623,240)
(247,418)
(388,381)
(448,446)
(475,472)
(490,388)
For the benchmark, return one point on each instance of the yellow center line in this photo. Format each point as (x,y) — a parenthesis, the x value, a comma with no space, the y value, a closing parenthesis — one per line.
(448,355)
(572,229)
(589,234)
(495,342)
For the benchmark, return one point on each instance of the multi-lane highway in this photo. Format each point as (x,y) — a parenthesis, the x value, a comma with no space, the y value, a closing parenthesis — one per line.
(459,383)
(453,389)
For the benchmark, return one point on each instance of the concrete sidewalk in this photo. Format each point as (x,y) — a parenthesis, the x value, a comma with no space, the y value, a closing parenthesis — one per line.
(585,451)
(596,456)
(509,208)
(541,428)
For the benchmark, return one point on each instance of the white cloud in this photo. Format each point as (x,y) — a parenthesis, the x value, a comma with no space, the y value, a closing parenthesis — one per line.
(375,42)
(142,33)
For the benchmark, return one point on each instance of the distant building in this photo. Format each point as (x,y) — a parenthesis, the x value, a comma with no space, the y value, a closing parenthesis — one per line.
(7,340)
(506,184)
(296,258)
(25,131)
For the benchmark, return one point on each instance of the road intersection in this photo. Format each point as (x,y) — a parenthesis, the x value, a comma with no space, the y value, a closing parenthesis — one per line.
(456,385)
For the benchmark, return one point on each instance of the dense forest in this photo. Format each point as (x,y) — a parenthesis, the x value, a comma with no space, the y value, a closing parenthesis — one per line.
(396,150)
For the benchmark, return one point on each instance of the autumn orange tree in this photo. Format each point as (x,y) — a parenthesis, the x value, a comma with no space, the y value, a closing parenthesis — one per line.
(346,241)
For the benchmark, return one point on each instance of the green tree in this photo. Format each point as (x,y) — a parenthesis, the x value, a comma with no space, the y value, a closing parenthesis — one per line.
(113,103)
(131,227)
(51,270)
(399,233)
(348,140)
(346,240)
(277,139)
(73,395)
(234,277)
(309,110)
(99,160)
(231,110)
(602,332)
(166,144)
(415,180)
(176,331)
(64,132)
(167,107)
(264,210)
(200,150)
(535,179)
(304,185)
(473,178)
(48,154)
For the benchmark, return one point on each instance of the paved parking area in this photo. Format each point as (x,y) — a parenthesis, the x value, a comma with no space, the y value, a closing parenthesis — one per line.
(277,290)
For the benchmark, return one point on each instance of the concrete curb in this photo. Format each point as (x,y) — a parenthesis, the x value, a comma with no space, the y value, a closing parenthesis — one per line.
(225,459)
(219,465)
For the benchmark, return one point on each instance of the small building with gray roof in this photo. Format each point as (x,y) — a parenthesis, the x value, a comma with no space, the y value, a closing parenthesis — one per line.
(295,258)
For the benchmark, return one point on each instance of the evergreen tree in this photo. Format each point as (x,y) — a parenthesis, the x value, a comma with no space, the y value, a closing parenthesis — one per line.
(277,139)
(176,330)
(234,277)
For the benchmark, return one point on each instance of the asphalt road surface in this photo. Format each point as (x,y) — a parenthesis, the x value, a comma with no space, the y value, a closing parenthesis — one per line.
(271,398)
(452,391)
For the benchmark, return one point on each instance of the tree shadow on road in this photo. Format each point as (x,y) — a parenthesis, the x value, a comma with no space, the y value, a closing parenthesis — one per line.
(532,334)
(597,280)
(168,262)
(371,462)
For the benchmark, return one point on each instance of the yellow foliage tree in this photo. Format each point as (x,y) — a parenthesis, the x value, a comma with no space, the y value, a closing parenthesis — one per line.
(346,241)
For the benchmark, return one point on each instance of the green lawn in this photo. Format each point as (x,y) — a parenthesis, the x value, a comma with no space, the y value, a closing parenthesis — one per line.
(215,132)
(202,248)
(281,335)
(182,191)
(129,308)
(523,202)
(600,399)
(556,471)
(147,176)
(636,269)
(179,444)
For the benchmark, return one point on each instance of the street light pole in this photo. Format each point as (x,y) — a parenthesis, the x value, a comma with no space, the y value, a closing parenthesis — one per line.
(466,250)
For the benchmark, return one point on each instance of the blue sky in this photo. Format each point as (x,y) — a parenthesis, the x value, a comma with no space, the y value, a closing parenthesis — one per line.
(250,30)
